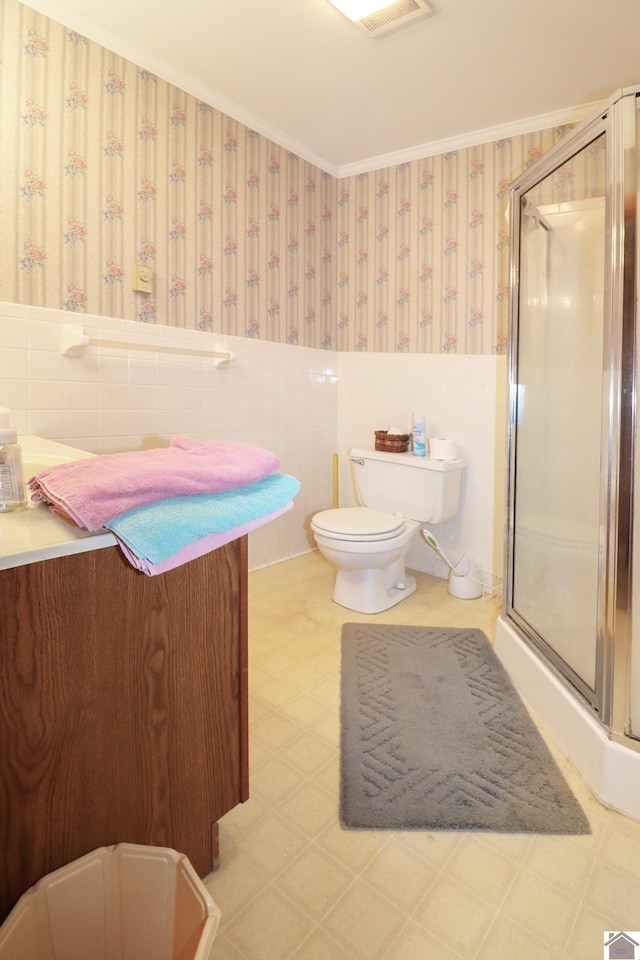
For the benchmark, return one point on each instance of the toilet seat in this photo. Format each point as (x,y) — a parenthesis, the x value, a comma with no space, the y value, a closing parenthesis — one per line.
(357,524)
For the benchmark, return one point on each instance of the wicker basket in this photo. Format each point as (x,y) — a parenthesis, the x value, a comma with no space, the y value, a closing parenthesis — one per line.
(392,442)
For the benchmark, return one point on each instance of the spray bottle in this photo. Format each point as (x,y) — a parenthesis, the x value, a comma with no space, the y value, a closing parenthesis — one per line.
(12,492)
(419,445)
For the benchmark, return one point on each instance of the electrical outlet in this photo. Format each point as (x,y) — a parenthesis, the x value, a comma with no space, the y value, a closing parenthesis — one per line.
(142,278)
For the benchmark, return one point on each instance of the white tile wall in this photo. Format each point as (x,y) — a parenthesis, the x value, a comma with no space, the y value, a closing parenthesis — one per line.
(304,404)
(462,398)
(108,400)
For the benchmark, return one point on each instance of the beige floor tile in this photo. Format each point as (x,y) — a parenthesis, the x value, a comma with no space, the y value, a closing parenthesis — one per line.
(308,754)
(275,692)
(274,780)
(303,674)
(437,848)
(294,885)
(320,946)
(588,936)
(305,709)
(400,875)
(512,845)
(315,881)
(275,731)
(328,776)
(276,661)
(616,894)
(259,675)
(475,865)
(598,815)
(329,727)
(561,863)
(543,909)
(621,846)
(257,756)
(266,635)
(507,939)
(270,928)
(236,822)
(455,915)
(354,848)
(304,614)
(258,709)
(310,808)
(304,645)
(415,943)
(364,923)
(328,690)
(327,660)
(223,949)
(272,844)
(234,884)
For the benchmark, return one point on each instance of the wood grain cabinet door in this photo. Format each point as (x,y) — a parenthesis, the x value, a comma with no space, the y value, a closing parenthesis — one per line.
(123,708)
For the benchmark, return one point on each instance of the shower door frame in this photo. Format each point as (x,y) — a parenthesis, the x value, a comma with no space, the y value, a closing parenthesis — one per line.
(610,698)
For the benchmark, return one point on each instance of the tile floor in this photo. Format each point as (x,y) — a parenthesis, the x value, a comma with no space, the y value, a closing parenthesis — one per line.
(294,886)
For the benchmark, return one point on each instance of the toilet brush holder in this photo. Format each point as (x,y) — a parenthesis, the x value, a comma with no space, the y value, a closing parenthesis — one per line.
(464,580)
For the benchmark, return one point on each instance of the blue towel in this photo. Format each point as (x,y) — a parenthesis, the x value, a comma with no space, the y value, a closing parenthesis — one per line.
(159,530)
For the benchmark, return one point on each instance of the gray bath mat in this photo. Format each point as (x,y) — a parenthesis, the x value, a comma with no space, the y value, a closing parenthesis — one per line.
(435,736)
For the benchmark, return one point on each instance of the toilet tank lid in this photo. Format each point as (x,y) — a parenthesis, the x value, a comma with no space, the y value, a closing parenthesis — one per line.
(424,463)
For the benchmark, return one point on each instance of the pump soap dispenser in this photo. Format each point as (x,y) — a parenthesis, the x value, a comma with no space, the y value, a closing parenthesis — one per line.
(12,492)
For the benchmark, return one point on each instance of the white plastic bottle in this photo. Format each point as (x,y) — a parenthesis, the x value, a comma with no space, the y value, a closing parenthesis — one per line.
(12,492)
(419,444)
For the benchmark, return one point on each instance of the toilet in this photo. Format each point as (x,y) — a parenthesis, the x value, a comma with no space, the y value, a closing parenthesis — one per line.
(368,544)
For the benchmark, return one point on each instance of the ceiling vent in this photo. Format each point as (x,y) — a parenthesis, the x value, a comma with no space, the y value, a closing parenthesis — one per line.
(394,17)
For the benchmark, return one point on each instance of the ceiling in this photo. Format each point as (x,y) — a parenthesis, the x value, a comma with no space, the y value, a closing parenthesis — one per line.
(302,74)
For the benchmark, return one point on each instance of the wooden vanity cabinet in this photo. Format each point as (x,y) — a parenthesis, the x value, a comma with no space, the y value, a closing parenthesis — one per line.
(123,708)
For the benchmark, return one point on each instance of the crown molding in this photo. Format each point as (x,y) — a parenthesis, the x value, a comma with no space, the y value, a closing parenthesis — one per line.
(503,131)
(92,30)
(72,19)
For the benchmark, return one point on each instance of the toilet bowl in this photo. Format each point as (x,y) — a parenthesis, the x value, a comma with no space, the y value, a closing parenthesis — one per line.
(369,548)
(368,544)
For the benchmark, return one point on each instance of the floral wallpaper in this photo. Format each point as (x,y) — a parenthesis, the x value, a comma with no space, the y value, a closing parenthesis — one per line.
(422,257)
(105,165)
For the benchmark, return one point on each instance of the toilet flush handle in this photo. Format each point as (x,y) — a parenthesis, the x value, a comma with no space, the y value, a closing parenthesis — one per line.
(358,460)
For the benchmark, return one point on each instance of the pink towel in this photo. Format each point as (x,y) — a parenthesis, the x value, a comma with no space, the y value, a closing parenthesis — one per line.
(90,492)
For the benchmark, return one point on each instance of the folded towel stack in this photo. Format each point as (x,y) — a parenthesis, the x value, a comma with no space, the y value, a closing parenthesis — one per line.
(160,535)
(95,490)
(170,505)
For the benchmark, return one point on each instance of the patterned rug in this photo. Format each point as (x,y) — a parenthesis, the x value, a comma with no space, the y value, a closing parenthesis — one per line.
(436,737)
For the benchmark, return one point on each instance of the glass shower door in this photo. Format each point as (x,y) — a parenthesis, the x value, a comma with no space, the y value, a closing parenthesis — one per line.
(557,446)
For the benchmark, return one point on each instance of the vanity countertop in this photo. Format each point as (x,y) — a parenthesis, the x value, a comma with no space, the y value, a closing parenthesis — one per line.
(34,534)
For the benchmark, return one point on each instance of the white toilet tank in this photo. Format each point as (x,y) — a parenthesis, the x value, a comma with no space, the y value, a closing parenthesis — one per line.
(416,487)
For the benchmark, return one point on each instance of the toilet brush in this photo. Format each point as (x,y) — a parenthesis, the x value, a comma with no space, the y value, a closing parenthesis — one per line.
(431,540)
(464,580)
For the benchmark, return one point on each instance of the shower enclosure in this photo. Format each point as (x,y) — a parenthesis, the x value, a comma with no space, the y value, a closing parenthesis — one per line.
(567,629)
